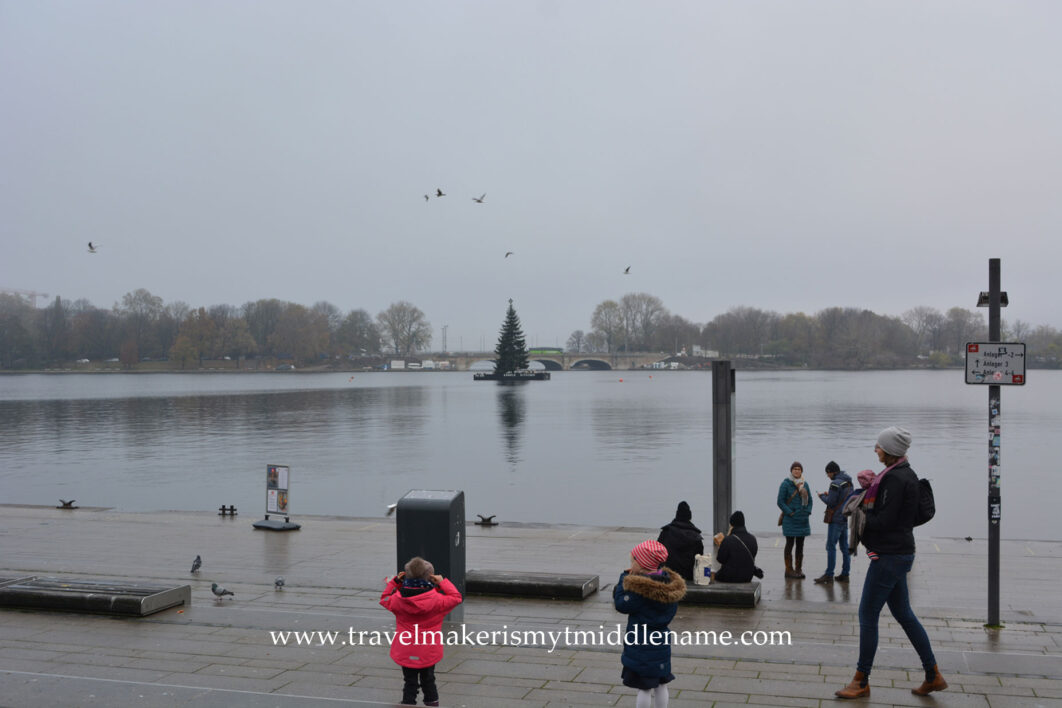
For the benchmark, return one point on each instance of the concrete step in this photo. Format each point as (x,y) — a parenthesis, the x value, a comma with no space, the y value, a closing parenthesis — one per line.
(527,584)
(724,594)
(95,596)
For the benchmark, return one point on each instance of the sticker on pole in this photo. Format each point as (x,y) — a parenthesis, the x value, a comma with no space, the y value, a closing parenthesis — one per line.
(995,363)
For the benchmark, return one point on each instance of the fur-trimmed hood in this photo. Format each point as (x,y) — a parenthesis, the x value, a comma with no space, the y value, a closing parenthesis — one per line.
(668,589)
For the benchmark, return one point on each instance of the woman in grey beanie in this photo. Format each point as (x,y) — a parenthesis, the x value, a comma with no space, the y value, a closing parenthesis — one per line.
(890,503)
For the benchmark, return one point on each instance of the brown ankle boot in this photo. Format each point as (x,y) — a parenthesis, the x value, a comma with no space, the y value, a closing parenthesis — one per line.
(789,573)
(858,688)
(937,684)
(799,568)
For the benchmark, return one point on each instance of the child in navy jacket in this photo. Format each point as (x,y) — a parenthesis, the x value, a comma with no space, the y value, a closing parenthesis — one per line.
(648,595)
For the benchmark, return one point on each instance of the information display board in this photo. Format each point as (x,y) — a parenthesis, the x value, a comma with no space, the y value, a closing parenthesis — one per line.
(278,479)
(995,363)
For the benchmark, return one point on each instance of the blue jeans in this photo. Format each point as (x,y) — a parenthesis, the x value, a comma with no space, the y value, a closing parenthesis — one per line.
(835,533)
(886,583)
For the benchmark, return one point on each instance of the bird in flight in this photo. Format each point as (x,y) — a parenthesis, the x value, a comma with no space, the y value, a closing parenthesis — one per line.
(439,192)
(479,200)
(67,504)
(627,270)
(93,247)
(426,198)
(508,253)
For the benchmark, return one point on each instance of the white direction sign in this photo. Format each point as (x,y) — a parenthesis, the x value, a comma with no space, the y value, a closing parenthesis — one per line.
(998,363)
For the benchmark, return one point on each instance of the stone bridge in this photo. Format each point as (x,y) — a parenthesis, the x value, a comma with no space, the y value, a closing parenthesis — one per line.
(568,361)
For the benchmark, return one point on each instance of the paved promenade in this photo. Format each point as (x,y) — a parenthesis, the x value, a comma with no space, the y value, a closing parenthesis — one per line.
(222,654)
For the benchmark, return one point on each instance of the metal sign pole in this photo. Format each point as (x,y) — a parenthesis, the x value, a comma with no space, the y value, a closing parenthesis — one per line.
(995,422)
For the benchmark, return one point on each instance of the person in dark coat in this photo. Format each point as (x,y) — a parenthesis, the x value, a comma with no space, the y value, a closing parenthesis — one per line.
(682,540)
(836,523)
(737,552)
(890,502)
(648,594)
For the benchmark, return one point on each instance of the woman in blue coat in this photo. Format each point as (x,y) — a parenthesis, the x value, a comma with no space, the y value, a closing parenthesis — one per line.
(794,499)
(648,594)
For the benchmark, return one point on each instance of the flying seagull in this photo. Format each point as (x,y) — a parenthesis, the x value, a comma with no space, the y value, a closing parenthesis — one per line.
(93,247)
(426,198)
(486,520)
(391,508)
(220,592)
(508,253)
(197,564)
(67,504)
(439,192)
(278,584)
(479,200)
(627,270)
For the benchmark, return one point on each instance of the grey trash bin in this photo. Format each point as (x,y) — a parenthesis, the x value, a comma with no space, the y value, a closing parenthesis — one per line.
(431,524)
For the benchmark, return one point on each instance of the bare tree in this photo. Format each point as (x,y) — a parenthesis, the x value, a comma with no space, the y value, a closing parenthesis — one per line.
(300,333)
(330,312)
(642,314)
(674,333)
(595,342)
(141,310)
(358,334)
(741,330)
(607,321)
(405,328)
(1016,332)
(927,324)
(576,341)
(262,317)
(963,326)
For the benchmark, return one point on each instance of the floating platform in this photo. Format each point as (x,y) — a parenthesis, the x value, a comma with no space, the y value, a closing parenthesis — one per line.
(93,596)
(512,376)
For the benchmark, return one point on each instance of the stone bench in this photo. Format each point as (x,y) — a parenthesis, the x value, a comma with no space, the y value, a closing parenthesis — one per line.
(527,584)
(724,594)
(95,596)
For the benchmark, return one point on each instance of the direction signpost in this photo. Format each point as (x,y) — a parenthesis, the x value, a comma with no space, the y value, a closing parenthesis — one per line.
(996,364)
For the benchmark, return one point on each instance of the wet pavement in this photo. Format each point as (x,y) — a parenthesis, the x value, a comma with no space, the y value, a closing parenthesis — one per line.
(224,653)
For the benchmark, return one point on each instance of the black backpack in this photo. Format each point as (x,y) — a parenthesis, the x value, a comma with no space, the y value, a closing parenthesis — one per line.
(927,506)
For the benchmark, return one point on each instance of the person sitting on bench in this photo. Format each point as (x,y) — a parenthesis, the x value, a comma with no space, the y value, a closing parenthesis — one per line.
(736,552)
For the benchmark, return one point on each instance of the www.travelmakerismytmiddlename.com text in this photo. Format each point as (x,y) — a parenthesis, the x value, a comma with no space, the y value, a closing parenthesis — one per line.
(550,639)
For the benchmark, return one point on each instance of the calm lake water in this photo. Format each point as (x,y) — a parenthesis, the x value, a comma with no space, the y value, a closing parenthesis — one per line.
(604,448)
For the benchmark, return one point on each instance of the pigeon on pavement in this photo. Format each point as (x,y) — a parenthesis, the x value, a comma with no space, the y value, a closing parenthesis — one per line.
(278,584)
(220,592)
(197,564)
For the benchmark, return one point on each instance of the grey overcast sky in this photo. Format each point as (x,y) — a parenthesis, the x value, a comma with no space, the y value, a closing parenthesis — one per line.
(784,155)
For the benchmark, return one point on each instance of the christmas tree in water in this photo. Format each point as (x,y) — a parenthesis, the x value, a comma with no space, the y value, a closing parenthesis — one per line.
(511,351)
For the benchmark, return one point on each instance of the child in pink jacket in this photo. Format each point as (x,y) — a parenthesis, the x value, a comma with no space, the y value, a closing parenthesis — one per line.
(420,600)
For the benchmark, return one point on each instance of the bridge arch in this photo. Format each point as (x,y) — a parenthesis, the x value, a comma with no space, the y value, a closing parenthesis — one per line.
(592,365)
(549,364)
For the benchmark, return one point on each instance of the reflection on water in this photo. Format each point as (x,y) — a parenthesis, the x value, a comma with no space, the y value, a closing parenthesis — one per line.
(584,447)
(511,411)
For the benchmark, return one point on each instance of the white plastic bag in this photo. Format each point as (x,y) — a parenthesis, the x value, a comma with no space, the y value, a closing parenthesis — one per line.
(703,567)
